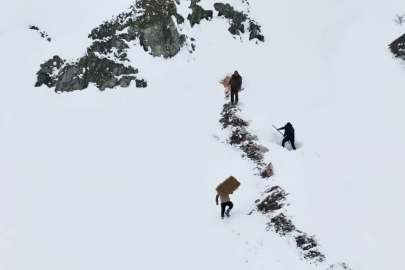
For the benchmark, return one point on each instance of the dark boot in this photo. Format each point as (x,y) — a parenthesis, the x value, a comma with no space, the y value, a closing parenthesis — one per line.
(223,205)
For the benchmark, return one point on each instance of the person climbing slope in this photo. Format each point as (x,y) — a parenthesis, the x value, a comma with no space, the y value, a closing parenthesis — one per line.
(289,134)
(223,190)
(236,84)
(225,201)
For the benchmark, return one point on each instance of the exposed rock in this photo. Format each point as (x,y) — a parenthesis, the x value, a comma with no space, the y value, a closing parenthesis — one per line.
(45,74)
(90,68)
(281,225)
(102,72)
(113,45)
(151,22)
(240,136)
(43,33)
(154,24)
(308,246)
(229,118)
(272,202)
(141,83)
(110,28)
(237,20)
(255,32)
(156,29)
(198,13)
(397,47)
(126,80)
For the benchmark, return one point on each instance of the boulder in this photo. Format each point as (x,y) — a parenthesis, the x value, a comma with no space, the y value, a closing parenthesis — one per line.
(198,13)
(45,74)
(397,47)
(237,20)
(103,72)
(156,29)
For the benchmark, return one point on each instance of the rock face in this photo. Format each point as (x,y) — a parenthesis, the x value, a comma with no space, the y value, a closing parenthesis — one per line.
(106,62)
(198,13)
(150,21)
(45,74)
(237,20)
(42,33)
(155,28)
(102,72)
(397,47)
(154,24)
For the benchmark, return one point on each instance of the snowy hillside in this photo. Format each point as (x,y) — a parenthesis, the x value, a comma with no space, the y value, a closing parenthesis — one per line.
(125,178)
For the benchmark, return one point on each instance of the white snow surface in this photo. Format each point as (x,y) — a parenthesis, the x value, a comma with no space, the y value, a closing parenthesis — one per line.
(125,178)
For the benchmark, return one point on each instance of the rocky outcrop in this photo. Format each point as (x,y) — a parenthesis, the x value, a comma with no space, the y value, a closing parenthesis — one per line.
(236,18)
(198,13)
(237,21)
(254,31)
(42,33)
(153,24)
(106,63)
(46,74)
(149,21)
(103,72)
(156,29)
(397,47)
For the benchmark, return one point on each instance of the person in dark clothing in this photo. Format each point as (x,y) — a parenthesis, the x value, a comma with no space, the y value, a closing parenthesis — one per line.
(236,83)
(289,134)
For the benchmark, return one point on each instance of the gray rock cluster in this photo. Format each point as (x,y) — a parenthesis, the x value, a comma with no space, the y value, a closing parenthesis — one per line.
(198,13)
(149,21)
(90,68)
(156,29)
(42,33)
(237,20)
(397,47)
(153,24)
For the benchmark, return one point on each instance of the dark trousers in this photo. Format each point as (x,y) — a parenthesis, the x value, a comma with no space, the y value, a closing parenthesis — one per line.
(291,140)
(225,204)
(234,95)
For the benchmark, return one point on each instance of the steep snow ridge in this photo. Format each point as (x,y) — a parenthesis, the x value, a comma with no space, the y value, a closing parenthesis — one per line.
(125,178)
(88,196)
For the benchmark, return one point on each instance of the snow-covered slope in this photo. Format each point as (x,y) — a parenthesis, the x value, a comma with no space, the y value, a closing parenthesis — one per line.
(126,178)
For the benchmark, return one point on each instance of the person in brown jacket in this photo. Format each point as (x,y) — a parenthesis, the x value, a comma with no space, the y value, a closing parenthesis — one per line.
(236,83)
